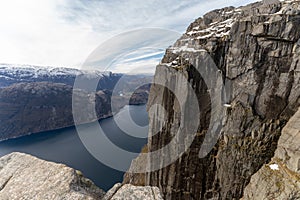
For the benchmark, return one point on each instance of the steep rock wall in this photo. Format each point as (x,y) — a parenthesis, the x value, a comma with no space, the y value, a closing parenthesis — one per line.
(256,49)
(280,179)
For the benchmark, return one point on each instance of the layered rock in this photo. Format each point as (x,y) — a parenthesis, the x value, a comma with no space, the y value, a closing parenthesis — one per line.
(25,177)
(256,51)
(280,178)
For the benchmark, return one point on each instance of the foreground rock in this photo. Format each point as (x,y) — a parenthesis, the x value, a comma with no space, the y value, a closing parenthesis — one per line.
(26,177)
(280,179)
(130,192)
(256,50)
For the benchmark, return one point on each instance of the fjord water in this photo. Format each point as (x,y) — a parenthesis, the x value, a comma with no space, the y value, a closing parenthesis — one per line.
(64,146)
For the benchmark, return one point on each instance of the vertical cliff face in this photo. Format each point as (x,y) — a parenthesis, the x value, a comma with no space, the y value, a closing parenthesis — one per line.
(280,179)
(256,50)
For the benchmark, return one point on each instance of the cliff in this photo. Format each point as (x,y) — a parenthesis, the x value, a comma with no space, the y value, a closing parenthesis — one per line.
(256,51)
(280,178)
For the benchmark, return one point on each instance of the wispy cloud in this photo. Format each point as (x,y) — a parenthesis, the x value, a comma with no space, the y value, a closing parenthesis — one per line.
(119,15)
(65,32)
(128,48)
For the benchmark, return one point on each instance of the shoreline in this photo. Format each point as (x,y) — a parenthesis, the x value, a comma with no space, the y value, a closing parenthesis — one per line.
(69,126)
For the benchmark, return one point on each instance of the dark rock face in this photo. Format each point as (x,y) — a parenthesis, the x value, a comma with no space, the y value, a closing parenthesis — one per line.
(256,49)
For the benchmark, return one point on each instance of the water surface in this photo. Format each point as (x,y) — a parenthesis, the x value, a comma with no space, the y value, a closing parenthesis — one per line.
(65,146)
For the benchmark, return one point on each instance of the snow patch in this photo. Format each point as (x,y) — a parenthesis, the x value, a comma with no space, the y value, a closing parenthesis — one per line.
(227,105)
(186,49)
(216,29)
(274,167)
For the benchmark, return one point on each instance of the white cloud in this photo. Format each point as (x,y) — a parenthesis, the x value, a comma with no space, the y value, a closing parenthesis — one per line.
(64,32)
(32,32)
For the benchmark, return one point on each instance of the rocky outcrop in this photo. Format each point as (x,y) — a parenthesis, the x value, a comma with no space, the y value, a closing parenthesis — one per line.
(25,177)
(256,51)
(280,178)
(130,192)
(140,95)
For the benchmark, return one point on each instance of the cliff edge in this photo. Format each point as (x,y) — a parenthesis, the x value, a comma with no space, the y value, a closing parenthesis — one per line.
(256,51)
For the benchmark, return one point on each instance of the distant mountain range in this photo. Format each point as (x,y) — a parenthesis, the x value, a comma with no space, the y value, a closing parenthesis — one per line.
(35,99)
(11,74)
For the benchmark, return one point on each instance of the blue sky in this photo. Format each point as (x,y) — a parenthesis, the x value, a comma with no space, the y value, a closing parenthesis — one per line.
(65,32)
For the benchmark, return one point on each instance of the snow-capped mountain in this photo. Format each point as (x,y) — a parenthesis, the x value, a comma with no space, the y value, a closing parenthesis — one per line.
(45,95)
(11,74)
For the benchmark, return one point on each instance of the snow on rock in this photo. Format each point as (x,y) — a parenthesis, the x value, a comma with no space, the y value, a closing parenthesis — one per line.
(216,29)
(209,29)
(201,32)
(185,48)
(274,167)
(227,105)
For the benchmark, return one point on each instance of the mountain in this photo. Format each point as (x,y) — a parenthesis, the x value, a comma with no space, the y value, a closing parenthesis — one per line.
(11,74)
(36,99)
(233,78)
(42,106)
(253,51)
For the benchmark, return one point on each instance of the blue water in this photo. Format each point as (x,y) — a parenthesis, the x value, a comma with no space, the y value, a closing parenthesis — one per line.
(64,146)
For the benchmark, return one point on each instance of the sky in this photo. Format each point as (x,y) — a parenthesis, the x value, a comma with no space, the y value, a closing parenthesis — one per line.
(64,33)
